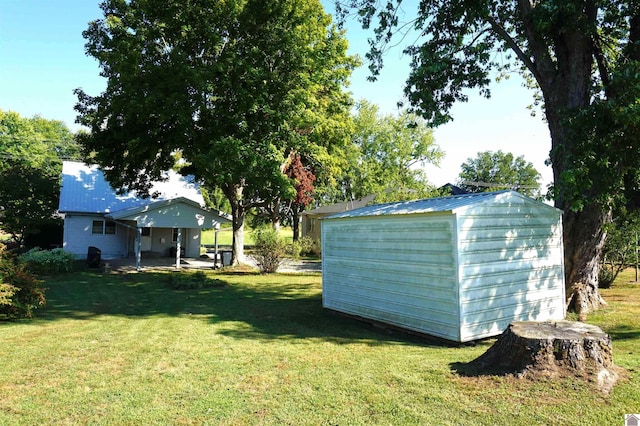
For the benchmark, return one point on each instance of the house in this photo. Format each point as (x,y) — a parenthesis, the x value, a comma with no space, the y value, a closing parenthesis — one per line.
(460,268)
(311,218)
(124,225)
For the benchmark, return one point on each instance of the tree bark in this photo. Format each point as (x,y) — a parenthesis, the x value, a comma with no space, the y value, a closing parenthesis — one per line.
(565,82)
(295,214)
(551,349)
(234,193)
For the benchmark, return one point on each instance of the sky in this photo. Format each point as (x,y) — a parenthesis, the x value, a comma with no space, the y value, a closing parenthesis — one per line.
(42,60)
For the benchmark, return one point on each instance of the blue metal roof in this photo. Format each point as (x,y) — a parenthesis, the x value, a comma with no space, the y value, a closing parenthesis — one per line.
(85,190)
(433,205)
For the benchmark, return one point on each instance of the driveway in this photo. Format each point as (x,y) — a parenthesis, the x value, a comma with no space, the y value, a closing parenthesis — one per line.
(167,263)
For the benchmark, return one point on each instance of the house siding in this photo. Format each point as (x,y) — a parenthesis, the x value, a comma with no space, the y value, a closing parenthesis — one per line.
(394,269)
(77,238)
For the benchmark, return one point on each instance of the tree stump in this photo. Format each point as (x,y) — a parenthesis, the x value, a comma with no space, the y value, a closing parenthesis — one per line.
(552,349)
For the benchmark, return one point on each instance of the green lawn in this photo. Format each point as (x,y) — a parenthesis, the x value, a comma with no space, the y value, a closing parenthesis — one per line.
(125,350)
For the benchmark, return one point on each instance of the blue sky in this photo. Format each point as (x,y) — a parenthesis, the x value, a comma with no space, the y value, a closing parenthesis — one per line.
(42,60)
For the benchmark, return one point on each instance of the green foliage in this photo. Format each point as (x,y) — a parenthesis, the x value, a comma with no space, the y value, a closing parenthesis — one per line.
(194,280)
(234,86)
(583,57)
(304,246)
(307,245)
(30,167)
(606,277)
(386,157)
(493,171)
(20,292)
(621,246)
(269,249)
(53,261)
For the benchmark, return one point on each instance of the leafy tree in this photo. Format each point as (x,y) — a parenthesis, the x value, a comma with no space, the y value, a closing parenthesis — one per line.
(304,179)
(621,247)
(31,150)
(236,87)
(387,156)
(582,55)
(492,171)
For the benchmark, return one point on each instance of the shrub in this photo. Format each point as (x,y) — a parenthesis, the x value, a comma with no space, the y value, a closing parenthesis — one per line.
(269,249)
(307,245)
(605,277)
(293,250)
(53,261)
(20,291)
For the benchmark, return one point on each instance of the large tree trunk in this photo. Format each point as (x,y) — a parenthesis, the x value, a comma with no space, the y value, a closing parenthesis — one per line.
(552,349)
(564,78)
(583,233)
(584,239)
(234,194)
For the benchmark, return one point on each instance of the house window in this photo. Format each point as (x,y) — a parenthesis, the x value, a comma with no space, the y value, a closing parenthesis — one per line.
(97,227)
(110,228)
(103,227)
(146,231)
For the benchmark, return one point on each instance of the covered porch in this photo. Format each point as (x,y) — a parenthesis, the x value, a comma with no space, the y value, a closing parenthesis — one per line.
(168,228)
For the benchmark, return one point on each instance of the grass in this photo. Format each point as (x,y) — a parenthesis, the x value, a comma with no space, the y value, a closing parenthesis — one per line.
(259,349)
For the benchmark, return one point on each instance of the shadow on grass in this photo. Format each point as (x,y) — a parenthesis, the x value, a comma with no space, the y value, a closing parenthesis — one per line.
(246,306)
(623,332)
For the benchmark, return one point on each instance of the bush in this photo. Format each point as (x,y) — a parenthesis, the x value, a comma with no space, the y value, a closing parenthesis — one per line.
(307,245)
(293,250)
(269,249)
(20,291)
(53,261)
(605,277)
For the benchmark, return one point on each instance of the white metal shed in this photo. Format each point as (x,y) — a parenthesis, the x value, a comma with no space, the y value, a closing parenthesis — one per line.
(461,268)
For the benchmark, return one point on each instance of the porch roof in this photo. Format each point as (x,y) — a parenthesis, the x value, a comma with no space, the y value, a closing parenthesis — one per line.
(178,212)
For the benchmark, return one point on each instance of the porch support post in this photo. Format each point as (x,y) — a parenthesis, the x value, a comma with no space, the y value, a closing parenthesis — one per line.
(178,247)
(138,247)
(215,252)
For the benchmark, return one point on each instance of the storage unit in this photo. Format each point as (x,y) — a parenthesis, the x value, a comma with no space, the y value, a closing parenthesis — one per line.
(460,268)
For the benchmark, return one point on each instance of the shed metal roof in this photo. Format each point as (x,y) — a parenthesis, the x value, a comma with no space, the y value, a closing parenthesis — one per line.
(434,205)
(85,190)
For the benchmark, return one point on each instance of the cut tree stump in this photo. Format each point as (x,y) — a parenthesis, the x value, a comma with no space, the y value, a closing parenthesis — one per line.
(552,349)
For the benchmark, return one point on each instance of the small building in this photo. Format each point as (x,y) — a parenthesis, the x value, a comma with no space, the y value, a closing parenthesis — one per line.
(124,225)
(311,218)
(460,268)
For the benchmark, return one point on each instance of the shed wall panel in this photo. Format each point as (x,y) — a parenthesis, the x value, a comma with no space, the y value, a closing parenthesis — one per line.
(397,270)
(511,268)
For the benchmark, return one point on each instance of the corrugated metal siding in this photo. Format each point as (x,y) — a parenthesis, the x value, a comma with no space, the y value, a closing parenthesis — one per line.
(396,269)
(510,260)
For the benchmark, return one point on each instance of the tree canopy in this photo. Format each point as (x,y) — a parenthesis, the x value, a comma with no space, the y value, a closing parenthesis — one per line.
(582,55)
(493,171)
(31,150)
(237,87)
(386,156)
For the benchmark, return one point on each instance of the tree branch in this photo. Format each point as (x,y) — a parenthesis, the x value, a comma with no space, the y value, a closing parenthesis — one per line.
(498,29)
